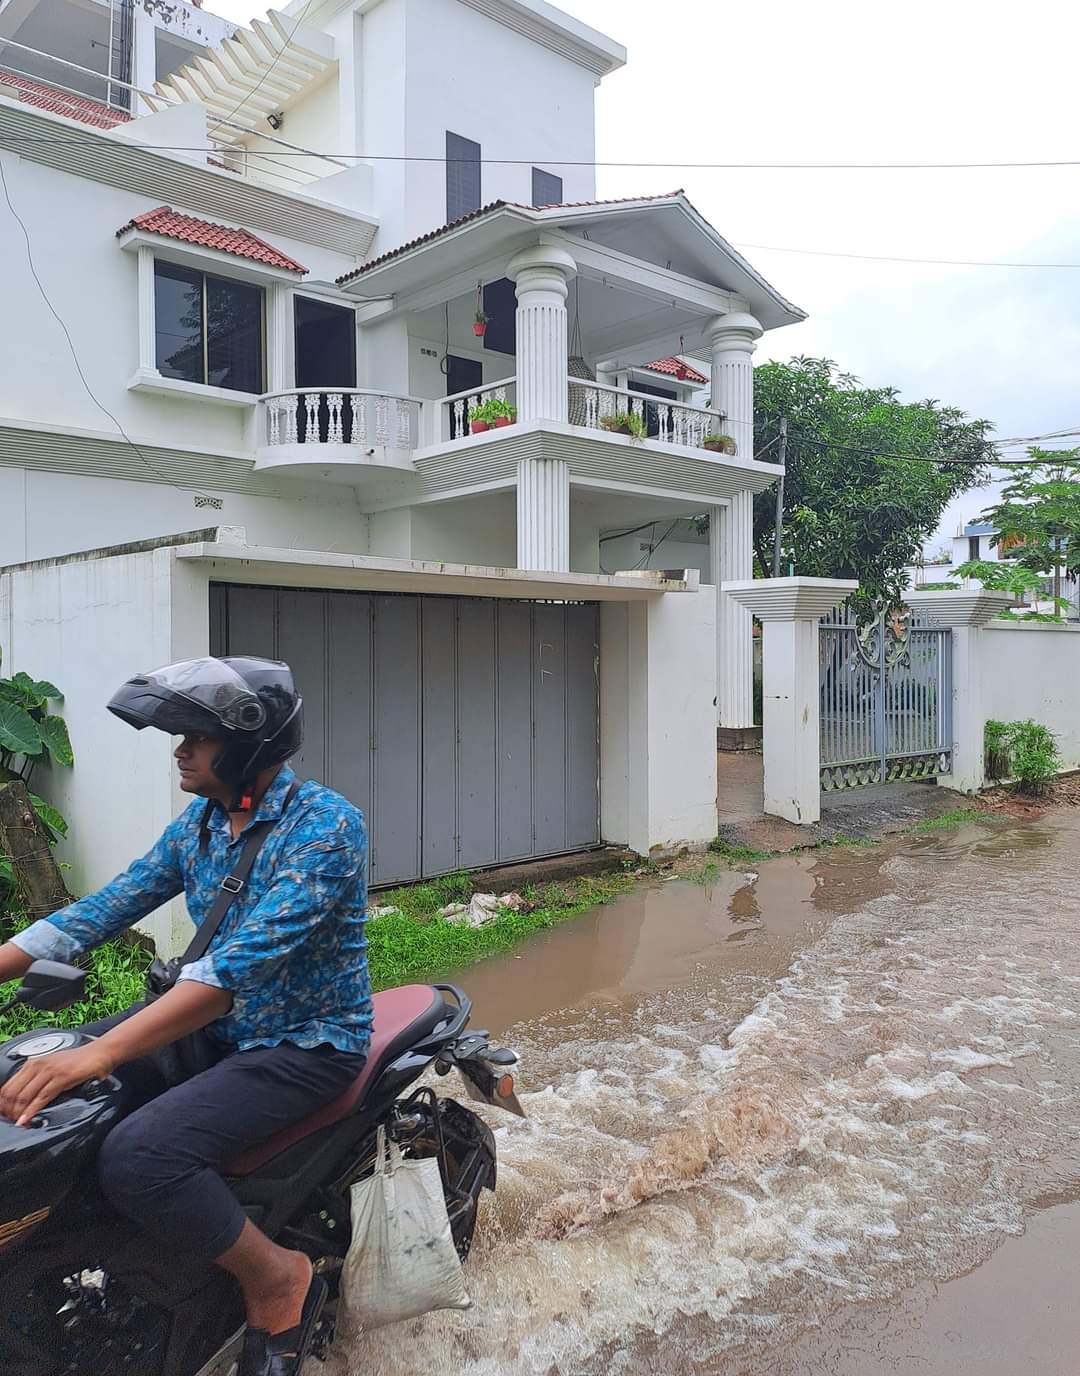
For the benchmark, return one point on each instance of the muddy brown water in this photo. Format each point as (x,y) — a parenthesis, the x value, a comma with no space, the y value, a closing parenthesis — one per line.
(820,1116)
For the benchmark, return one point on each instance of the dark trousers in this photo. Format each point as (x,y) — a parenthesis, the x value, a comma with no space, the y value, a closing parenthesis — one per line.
(160,1166)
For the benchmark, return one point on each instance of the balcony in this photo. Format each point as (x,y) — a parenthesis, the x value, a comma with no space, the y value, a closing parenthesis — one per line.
(347,435)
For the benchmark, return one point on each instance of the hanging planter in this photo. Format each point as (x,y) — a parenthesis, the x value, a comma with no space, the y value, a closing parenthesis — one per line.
(682,372)
(480,324)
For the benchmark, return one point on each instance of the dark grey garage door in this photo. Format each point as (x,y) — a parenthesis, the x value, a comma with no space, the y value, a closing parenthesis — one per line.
(466,728)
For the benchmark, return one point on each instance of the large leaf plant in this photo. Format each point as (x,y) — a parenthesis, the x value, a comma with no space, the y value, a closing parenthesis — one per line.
(31,734)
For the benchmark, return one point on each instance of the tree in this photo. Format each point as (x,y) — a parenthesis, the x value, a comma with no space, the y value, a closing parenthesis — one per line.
(852,509)
(1038,514)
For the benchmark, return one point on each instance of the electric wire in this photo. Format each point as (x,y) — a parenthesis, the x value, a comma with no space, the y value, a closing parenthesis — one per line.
(71,346)
(262,80)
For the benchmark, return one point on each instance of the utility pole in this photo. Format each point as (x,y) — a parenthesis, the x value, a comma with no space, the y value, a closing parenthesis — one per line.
(779,522)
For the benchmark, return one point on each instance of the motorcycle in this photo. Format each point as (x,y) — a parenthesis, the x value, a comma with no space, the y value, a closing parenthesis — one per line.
(86,1295)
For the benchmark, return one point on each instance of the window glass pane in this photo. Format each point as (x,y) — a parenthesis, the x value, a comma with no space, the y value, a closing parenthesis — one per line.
(546,188)
(462,176)
(234,335)
(178,321)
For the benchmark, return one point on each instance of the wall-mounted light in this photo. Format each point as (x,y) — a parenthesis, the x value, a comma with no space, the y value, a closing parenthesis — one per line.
(276,120)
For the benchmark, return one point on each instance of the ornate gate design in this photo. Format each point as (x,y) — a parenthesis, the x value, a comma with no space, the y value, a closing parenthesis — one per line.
(886,699)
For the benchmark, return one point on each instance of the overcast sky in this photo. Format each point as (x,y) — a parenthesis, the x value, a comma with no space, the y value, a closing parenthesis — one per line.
(843,81)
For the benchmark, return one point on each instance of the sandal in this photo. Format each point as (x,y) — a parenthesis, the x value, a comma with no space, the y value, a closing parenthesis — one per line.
(283,1354)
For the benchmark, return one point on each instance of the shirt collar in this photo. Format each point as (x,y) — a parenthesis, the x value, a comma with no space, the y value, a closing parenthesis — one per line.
(271,805)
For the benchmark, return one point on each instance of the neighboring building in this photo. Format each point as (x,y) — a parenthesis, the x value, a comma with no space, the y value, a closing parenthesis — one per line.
(270,279)
(978,540)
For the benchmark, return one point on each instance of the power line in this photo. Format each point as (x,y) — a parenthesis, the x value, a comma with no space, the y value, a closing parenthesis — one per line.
(71,343)
(617,163)
(892,258)
(913,458)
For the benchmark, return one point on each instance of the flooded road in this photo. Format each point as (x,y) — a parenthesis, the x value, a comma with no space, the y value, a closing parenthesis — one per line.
(821,1116)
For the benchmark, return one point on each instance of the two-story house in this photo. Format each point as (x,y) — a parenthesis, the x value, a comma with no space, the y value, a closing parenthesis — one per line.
(262,297)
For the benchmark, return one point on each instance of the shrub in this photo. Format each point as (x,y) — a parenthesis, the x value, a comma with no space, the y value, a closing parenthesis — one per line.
(492,410)
(996,750)
(626,423)
(1033,756)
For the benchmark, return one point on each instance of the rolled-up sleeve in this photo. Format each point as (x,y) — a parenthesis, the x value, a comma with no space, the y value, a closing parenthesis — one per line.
(309,877)
(87,922)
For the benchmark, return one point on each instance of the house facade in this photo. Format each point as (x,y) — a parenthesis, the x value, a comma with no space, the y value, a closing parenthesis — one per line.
(979,540)
(289,270)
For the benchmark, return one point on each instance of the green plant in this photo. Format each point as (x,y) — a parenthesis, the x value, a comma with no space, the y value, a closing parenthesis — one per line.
(996,750)
(492,410)
(738,855)
(116,978)
(480,316)
(626,423)
(724,444)
(1033,756)
(949,821)
(1017,580)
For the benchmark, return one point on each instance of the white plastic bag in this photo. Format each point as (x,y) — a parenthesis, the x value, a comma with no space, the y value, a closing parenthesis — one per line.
(401,1260)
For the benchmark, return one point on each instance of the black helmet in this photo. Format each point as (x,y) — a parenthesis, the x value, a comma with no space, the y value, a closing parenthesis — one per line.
(252,704)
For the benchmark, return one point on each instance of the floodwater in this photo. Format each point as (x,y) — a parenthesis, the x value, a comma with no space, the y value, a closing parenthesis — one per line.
(822,1116)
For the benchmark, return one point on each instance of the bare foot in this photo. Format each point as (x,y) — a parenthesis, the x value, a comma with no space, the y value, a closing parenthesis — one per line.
(280,1306)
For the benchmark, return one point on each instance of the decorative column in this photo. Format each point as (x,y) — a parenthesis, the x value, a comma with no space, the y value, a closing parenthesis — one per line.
(541,274)
(965,611)
(277,338)
(147,312)
(789,610)
(732,340)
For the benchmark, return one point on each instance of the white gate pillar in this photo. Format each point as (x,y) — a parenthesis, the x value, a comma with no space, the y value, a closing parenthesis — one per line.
(965,611)
(789,610)
(732,341)
(541,274)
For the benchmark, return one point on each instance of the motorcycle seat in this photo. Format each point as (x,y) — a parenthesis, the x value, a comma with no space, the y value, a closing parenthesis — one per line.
(401,1018)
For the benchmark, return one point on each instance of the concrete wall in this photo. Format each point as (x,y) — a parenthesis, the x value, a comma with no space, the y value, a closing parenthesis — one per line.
(87,625)
(631,552)
(50,514)
(1032,670)
(658,720)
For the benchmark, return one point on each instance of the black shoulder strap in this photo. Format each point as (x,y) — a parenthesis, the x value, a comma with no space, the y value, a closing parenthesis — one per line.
(234,882)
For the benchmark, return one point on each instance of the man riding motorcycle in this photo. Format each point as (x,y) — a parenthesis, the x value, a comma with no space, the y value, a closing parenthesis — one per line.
(283,993)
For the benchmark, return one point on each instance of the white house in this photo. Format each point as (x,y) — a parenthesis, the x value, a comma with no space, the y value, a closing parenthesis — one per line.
(978,540)
(251,433)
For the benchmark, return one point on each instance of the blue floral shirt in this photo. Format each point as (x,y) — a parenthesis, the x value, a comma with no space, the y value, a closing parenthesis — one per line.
(291,949)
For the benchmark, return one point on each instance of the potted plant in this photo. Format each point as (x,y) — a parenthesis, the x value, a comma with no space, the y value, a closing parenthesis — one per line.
(480,323)
(682,372)
(491,414)
(719,444)
(625,423)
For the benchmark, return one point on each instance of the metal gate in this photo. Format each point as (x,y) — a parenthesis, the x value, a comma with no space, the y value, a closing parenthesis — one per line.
(886,699)
(466,728)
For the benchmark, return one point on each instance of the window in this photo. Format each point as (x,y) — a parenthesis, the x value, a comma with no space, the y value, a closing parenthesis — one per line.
(973,547)
(208,329)
(462,176)
(546,188)
(500,307)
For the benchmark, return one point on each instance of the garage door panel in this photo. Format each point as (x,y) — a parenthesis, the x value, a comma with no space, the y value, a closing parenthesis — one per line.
(302,642)
(466,729)
(395,804)
(549,706)
(439,742)
(476,778)
(349,697)
(582,726)
(514,731)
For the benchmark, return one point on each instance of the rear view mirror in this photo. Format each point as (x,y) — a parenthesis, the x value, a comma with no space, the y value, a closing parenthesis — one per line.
(50,986)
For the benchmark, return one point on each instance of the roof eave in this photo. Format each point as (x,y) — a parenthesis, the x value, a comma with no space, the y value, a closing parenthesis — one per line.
(238,266)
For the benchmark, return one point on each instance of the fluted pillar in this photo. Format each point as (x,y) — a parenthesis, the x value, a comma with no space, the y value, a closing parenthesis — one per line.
(732,339)
(541,274)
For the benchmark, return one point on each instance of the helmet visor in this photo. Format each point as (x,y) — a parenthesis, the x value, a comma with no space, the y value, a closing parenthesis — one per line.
(194,696)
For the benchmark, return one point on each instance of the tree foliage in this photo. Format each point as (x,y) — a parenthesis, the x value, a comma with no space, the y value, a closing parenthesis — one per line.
(851,510)
(1038,514)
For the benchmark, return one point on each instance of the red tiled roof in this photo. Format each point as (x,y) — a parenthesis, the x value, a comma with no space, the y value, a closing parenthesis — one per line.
(489,209)
(66,103)
(172,225)
(671,366)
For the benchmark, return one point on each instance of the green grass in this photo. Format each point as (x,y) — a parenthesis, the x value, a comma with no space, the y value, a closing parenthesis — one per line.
(949,821)
(416,944)
(116,975)
(739,855)
(841,841)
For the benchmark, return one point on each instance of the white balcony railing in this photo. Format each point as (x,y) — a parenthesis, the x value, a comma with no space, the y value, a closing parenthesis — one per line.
(670,422)
(453,417)
(355,416)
